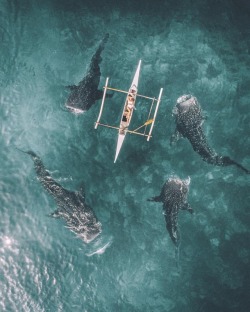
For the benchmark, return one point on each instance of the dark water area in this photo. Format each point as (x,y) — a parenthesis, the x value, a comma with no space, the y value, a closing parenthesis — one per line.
(196,47)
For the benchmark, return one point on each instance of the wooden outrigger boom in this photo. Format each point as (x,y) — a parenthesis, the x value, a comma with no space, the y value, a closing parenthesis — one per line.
(156,110)
(128,109)
(103,99)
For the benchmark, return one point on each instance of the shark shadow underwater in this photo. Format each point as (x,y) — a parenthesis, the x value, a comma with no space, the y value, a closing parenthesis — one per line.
(86,93)
(189,120)
(174,198)
(79,217)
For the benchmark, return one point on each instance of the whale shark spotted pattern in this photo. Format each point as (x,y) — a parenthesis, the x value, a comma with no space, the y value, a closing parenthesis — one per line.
(83,96)
(174,198)
(189,120)
(79,217)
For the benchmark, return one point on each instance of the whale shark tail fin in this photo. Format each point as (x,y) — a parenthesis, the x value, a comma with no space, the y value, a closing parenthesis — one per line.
(226,161)
(105,39)
(31,153)
(177,257)
(96,59)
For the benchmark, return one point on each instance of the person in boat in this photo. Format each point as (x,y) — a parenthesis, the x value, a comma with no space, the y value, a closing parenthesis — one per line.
(125,117)
(131,102)
(126,114)
(128,110)
(124,123)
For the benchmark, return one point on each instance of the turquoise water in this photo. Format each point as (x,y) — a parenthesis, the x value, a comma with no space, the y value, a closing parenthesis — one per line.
(197,47)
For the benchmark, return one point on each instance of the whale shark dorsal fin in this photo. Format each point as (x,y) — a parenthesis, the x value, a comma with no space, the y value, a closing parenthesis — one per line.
(175,137)
(72,87)
(187,207)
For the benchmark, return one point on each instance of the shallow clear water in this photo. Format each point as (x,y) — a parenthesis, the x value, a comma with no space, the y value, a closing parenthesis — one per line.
(198,47)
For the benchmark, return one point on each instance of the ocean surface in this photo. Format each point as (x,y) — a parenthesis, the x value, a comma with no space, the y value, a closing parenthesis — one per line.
(197,47)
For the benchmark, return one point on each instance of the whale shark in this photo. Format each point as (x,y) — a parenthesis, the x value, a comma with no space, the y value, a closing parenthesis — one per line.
(189,120)
(174,198)
(78,216)
(86,93)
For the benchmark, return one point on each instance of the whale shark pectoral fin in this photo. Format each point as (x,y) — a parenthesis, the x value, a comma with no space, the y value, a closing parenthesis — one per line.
(55,214)
(99,94)
(72,88)
(175,137)
(203,118)
(81,191)
(155,199)
(109,95)
(187,207)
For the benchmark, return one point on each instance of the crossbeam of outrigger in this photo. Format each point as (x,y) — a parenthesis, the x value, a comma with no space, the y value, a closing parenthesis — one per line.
(126,92)
(129,131)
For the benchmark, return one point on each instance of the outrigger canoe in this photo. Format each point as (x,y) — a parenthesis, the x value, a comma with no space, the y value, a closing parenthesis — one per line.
(128,109)
(127,112)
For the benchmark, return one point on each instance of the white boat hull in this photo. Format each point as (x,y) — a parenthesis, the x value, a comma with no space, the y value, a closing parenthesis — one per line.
(120,140)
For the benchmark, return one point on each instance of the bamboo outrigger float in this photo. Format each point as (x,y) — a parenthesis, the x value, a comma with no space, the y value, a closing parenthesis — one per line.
(128,109)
